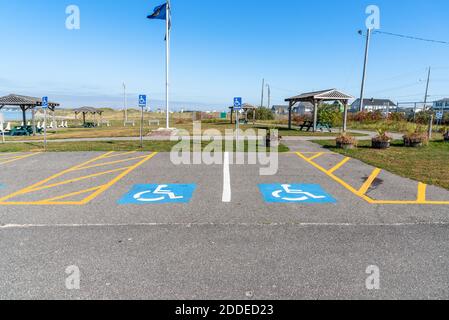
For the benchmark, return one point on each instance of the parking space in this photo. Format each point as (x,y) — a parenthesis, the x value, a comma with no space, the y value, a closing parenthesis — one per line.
(6,158)
(374,185)
(141,188)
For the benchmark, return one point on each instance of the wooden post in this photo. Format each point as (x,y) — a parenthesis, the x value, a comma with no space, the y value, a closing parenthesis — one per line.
(315,115)
(232,115)
(24,116)
(345,117)
(33,117)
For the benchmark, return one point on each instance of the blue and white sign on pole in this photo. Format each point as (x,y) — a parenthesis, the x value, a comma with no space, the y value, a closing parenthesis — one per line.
(44,102)
(440,115)
(143,101)
(45,107)
(237,103)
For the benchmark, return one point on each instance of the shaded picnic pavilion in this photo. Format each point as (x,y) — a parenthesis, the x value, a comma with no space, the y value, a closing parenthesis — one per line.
(88,110)
(246,107)
(316,98)
(25,103)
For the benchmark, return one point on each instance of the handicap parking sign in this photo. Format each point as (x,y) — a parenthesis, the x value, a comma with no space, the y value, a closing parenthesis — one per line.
(159,194)
(237,103)
(295,193)
(142,101)
(44,102)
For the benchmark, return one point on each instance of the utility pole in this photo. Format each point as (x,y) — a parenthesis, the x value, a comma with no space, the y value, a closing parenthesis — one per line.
(362,91)
(125,106)
(269,95)
(263,88)
(427,90)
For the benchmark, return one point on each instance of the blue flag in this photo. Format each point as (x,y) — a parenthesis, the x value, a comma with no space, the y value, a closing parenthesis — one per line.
(160,12)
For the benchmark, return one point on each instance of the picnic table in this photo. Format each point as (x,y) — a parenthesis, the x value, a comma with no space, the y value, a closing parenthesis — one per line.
(22,131)
(320,126)
(89,125)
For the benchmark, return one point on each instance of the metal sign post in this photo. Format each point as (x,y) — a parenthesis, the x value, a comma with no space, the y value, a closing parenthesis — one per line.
(142,105)
(45,107)
(237,108)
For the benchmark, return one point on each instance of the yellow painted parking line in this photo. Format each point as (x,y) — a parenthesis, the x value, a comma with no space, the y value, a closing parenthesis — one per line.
(422,191)
(120,154)
(422,188)
(17,158)
(65,196)
(338,166)
(109,163)
(97,190)
(368,183)
(316,156)
(65,182)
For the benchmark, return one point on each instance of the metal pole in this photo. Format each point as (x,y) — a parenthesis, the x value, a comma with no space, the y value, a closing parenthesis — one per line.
(45,129)
(125,104)
(269,95)
(362,91)
(141,128)
(263,88)
(167,64)
(427,90)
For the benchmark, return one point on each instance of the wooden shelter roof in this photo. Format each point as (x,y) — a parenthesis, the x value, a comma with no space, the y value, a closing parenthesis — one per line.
(330,94)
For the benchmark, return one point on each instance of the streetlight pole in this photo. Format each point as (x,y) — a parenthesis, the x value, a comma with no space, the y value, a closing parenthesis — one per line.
(362,91)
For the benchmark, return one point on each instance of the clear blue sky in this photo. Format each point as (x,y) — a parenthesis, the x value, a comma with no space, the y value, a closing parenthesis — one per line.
(220,49)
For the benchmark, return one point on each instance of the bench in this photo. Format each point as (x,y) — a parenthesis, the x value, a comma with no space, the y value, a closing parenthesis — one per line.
(154,123)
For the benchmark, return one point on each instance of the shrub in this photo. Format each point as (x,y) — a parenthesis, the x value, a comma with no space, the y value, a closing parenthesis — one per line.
(261,114)
(330,114)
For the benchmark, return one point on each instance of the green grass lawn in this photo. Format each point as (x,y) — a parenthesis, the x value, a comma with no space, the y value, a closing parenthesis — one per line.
(428,164)
(150,146)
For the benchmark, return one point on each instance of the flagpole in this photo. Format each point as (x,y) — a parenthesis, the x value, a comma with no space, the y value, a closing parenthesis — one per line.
(167,59)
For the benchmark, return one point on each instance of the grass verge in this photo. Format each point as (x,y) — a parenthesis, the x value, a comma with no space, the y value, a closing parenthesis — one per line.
(428,164)
(151,146)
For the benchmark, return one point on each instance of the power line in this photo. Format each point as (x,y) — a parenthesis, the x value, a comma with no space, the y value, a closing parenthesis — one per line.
(408,37)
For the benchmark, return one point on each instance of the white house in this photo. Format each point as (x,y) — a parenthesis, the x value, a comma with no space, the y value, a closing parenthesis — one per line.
(372,104)
(442,104)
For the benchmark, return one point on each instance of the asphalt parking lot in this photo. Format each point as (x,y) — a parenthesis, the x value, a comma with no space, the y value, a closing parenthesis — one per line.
(138,226)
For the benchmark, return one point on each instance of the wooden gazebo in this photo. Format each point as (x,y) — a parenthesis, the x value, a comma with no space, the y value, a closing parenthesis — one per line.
(88,110)
(246,108)
(25,103)
(316,98)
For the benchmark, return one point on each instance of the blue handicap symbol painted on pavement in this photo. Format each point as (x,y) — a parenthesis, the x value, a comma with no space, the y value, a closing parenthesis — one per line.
(159,194)
(2,186)
(295,193)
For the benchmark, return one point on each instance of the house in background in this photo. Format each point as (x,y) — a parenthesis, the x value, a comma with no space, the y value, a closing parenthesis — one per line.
(442,104)
(303,108)
(372,104)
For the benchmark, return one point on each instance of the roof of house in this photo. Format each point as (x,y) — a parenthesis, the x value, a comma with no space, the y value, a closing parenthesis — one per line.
(374,102)
(20,100)
(443,100)
(330,94)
